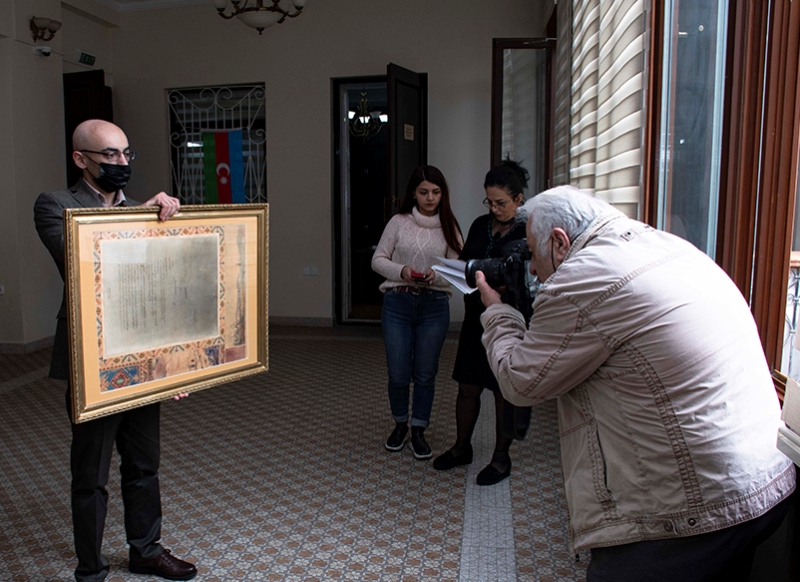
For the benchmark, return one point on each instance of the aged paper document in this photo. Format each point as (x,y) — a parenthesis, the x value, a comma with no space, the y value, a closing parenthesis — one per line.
(159,291)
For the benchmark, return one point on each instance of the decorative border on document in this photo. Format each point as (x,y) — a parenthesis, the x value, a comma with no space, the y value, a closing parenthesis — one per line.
(124,370)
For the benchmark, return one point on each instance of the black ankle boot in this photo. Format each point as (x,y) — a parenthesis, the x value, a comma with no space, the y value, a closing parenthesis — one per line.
(418,443)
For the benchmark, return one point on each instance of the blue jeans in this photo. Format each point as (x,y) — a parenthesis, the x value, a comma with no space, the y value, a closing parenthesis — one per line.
(414,329)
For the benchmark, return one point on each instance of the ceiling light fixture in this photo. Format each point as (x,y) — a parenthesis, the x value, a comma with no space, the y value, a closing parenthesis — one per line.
(43,28)
(255,14)
(365,123)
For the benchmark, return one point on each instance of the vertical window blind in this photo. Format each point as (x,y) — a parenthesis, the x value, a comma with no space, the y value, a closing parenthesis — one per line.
(607,116)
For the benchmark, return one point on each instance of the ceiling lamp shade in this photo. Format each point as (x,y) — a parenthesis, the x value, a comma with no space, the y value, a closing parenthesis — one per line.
(43,28)
(255,14)
(259,20)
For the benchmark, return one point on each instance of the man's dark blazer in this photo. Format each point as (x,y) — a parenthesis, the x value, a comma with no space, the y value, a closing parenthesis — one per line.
(48,215)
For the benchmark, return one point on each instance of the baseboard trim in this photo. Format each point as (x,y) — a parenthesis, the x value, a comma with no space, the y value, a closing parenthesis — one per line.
(455,326)
(302,321)
(46,342)
(28,348)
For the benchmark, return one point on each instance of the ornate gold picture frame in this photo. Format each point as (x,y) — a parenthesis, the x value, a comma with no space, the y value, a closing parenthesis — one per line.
(157,308)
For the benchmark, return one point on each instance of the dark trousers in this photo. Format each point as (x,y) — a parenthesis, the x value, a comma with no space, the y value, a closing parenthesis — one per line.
(136,434)
(720,556)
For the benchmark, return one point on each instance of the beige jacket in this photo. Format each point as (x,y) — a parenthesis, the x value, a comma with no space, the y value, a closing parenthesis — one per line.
(667,412)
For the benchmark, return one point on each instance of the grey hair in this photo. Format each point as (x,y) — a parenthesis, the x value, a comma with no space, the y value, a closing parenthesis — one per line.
(563,207)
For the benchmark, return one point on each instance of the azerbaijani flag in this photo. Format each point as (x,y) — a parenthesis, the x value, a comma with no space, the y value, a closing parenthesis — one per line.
(224,167)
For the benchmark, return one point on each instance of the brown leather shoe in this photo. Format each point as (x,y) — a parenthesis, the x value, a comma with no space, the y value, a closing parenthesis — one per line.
(165,565)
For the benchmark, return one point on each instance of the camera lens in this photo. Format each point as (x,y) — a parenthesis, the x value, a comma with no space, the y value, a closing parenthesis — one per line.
(492,270)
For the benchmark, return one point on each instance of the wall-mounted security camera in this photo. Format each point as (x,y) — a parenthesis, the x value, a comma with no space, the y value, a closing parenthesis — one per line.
(43,51)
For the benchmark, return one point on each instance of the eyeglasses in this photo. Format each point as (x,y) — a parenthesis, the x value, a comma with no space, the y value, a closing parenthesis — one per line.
(492,204)
(111,155)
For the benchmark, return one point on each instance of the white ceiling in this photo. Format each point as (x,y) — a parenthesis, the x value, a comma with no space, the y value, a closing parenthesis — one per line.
(134,5)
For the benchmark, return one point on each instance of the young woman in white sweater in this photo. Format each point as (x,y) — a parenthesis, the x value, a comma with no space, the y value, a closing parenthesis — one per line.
(416,302)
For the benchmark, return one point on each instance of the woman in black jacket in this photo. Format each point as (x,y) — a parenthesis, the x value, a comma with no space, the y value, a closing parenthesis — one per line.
(487,236)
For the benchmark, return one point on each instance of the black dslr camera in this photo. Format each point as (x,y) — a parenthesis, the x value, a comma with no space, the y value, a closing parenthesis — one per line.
(509,273)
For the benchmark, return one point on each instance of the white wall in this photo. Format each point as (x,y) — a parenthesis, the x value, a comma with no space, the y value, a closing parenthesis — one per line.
(35,121)
(10,301)
(147,52)
(451,40)
(32,159)
(89,34)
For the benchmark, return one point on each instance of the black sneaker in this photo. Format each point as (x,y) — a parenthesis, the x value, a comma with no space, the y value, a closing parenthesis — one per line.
(397,440)
(418,444)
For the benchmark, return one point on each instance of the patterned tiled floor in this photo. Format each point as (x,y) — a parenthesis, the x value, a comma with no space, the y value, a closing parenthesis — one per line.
(283,476)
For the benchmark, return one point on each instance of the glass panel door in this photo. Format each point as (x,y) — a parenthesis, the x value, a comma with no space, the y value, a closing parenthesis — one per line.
(524,124)
(790,360)
(521,119)
(691,119)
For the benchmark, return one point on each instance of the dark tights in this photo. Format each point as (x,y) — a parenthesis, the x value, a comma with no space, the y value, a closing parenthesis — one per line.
(468,407)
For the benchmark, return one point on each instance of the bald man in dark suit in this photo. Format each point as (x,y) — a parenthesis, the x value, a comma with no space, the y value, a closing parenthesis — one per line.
(102,152)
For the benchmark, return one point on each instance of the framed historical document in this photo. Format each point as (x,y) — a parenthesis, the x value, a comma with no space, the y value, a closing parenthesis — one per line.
(157,308)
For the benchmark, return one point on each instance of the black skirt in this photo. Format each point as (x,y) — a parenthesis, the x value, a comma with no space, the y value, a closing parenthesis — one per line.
(472,366)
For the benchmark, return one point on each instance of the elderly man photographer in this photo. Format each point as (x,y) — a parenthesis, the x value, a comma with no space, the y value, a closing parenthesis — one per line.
(666,408)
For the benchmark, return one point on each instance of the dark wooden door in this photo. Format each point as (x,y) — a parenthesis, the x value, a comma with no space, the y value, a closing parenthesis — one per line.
(85,97)
(408,130)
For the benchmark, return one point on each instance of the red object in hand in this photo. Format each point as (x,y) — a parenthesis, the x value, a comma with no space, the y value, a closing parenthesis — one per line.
(416,274)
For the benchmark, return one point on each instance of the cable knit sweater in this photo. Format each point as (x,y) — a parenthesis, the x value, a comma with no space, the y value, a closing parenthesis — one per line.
(412,240)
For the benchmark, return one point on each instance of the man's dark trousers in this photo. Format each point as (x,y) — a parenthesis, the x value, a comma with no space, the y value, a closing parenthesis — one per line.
(136,434)
(724,555)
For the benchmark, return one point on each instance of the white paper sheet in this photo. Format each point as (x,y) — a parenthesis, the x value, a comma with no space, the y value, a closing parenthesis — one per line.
(453,271)
(159,291)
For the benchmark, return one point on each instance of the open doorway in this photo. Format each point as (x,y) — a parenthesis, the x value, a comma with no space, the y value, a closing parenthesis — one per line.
(86,96)
(380,135)
(361,175)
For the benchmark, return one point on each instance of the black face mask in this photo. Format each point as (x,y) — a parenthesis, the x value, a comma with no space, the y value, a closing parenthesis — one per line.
(113,177)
